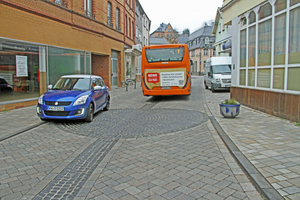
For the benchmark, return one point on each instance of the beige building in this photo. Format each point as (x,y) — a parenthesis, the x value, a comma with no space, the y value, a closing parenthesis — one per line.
(166,31)
(266,54)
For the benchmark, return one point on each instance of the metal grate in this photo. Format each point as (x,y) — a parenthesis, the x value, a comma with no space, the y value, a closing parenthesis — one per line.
(57,113)
(59,103)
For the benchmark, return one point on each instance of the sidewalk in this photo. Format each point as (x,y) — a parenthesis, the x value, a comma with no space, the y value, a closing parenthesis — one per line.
(272,145)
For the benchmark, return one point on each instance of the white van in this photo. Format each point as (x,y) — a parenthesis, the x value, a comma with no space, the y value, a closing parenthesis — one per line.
(218,73)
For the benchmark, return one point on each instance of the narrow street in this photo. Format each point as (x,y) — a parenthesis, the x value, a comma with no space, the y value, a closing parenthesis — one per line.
(142,148)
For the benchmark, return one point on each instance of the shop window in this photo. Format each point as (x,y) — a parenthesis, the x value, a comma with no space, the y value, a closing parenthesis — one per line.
(263,78)
(294,38)
(252,46)
(278,78)
(243,41)
(242,77)
(293,78)
(19,71)
(280,39)
(280,5)
(63,62)
(294,2)
(265,11)
(251,77)
(252,17)
(264,43)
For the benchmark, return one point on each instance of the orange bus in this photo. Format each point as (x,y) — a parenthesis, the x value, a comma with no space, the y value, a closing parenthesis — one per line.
(166,70)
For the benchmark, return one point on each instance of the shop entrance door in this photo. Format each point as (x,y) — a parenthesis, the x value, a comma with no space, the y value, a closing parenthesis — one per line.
(114,72)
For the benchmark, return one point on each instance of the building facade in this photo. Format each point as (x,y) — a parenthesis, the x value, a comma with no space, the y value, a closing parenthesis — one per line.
(222,35)
(43,39)
(201,48)
(266,55)
(166,31)
(142,29)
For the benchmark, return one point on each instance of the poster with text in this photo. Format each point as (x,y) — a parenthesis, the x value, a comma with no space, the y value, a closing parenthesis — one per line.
(21,66)
(172,79)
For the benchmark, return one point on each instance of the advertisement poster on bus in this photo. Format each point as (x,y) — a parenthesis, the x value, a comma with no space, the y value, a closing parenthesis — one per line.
(172,78)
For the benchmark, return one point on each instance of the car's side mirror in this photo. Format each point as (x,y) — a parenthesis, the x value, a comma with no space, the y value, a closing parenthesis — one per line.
(50,87)
(98,88)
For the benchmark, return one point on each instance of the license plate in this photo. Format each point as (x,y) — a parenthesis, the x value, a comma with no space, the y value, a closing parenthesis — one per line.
(56,108)
(227,85)
(165,87)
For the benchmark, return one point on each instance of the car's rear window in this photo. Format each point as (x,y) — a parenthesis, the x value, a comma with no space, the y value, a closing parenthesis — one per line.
(164,54)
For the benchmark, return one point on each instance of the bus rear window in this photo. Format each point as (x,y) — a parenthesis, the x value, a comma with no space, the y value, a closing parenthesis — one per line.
(166,54)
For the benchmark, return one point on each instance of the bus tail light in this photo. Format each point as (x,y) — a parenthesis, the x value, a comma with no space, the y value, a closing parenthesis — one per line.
(187,82)
(144,84)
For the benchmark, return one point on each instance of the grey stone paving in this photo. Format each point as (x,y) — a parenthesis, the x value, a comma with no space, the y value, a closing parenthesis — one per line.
(188,164)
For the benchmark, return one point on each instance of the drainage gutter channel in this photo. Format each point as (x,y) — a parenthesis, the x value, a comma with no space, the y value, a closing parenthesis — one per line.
(259,181)
(21,131)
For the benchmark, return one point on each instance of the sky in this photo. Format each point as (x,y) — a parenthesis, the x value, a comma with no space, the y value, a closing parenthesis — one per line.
(184,14)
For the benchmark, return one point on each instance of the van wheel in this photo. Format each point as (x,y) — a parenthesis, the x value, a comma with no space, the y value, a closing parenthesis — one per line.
(212,88)
(90,114)
(206,87)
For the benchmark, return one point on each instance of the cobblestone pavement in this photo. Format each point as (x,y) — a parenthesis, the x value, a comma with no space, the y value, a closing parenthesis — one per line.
(185,161)
(271,144)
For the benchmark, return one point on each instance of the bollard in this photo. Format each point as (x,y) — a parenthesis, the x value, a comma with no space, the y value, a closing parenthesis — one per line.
(134,83)
(126,83)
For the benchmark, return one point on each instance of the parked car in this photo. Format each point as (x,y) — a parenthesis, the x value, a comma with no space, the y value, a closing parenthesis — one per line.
(4,86)
(74,97)
(217,74)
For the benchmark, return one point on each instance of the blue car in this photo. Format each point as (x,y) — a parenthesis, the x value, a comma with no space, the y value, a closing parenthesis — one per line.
(74,97)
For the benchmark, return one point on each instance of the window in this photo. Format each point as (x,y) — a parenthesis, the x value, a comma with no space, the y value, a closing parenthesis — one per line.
(58,1)
(118,19)
(252,46)
(88,8)
(280,38)
(252,17)
(294,38)
(206,52)
(280,5)
(278,79)
(264,43)
(251,77)
(263,78)
(109,14)
(293,78)
(242,77)
(126,26)
(294,2)
(129,28)
(207,40)
(243,41)
(265,11)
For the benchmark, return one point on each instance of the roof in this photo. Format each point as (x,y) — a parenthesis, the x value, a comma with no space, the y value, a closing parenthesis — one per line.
(203,32)
(183,39)
(154,41)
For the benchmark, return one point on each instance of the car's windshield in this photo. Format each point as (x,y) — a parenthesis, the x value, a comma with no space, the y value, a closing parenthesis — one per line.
(2,81)
(165,54)
(221,69)
(72,84)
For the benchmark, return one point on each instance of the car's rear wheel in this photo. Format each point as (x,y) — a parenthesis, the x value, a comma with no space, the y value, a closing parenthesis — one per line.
(106,108)
(90,114)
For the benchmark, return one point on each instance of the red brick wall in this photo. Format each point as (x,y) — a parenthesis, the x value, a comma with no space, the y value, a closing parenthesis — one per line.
(100,67)
(282,105)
